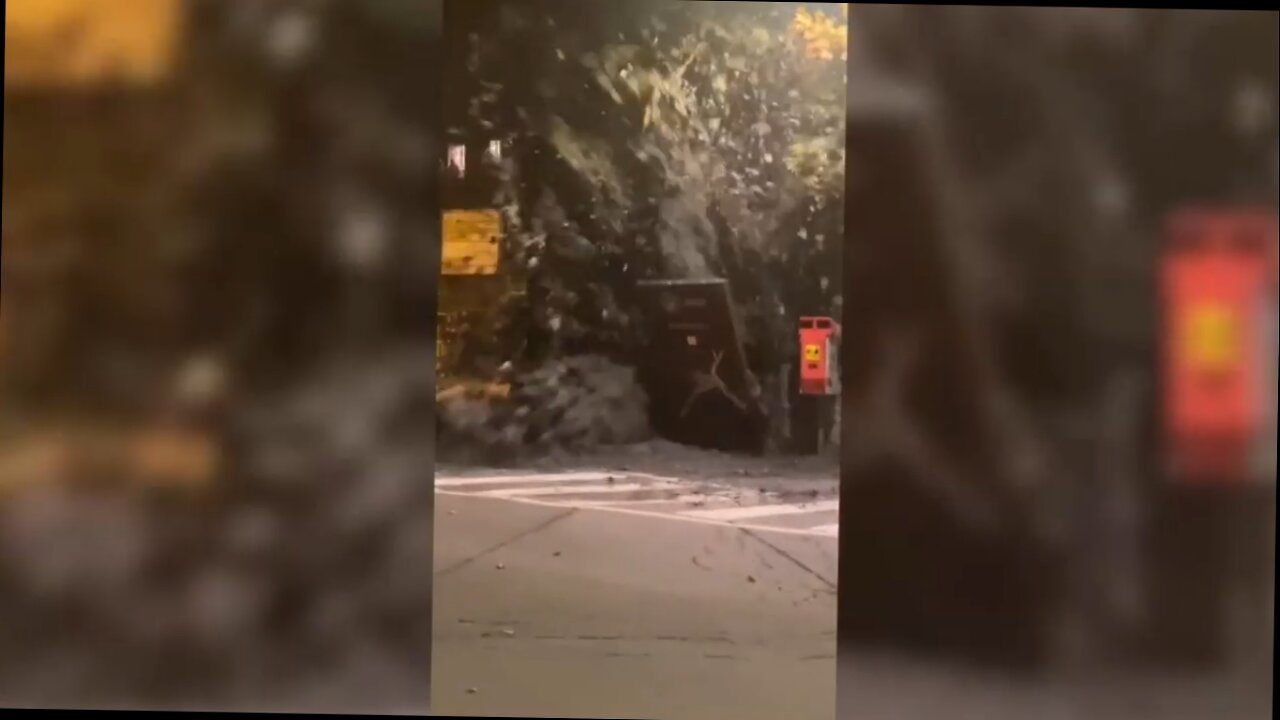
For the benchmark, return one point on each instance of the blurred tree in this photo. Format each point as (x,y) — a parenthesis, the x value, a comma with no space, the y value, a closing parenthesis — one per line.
(270,202)
(1073,133)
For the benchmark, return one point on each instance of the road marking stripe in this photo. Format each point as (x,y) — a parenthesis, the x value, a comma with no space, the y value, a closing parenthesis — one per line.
(564,490)
(696,506)
(678,500)
(688,501)
(759,511)
(649,513)
(522,479)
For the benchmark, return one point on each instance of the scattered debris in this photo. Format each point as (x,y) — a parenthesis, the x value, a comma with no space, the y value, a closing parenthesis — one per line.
(577,403)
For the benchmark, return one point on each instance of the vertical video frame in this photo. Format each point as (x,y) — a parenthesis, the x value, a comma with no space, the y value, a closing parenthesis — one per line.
(639,322)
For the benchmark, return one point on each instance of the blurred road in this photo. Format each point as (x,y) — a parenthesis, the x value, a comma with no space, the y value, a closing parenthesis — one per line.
(555,611)
(884,688)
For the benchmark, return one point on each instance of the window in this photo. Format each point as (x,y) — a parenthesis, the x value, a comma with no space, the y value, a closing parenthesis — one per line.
(458,160)
(493,153)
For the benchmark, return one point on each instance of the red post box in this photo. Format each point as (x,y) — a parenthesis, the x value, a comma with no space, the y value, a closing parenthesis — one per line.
(1218,344)
(819,364)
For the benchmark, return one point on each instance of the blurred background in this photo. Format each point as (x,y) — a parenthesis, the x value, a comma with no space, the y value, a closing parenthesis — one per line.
(219,263)
(1058,455)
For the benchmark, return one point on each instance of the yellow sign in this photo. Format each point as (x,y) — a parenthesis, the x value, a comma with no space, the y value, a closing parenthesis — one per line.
(60,43)
(812,353)
(1212,338)
(472,240)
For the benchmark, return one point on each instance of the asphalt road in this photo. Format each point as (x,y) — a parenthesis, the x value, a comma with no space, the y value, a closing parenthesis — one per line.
(559,612)
(886,688)
(550,610)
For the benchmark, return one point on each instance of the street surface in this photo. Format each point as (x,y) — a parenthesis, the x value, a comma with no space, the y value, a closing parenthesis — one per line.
(640,596)
(656,495)
(887,688)
(607,593)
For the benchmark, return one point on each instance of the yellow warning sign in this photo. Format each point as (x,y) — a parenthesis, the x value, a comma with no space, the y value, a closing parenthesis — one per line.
(1212,338)
(812,353)
(472,241)
(76,43)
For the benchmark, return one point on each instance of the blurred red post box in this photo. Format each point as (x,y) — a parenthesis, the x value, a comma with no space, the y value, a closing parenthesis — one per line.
(819,368)
(1218,344)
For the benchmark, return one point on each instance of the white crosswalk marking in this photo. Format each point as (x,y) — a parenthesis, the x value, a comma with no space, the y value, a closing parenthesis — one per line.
(565,490)
(652,495)
(689,500)
(761,511)
(468,480)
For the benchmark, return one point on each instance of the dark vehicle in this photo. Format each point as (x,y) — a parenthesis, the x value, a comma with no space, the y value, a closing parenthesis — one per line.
(694,371)
(938,554)
(948,545)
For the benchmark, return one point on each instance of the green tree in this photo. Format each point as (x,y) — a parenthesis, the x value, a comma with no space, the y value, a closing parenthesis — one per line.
(701,140)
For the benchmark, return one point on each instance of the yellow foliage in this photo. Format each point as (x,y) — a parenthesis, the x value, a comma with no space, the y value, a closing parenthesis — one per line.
(86,42)
(822,36)
(817,162)
(150,455)
(471,242)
